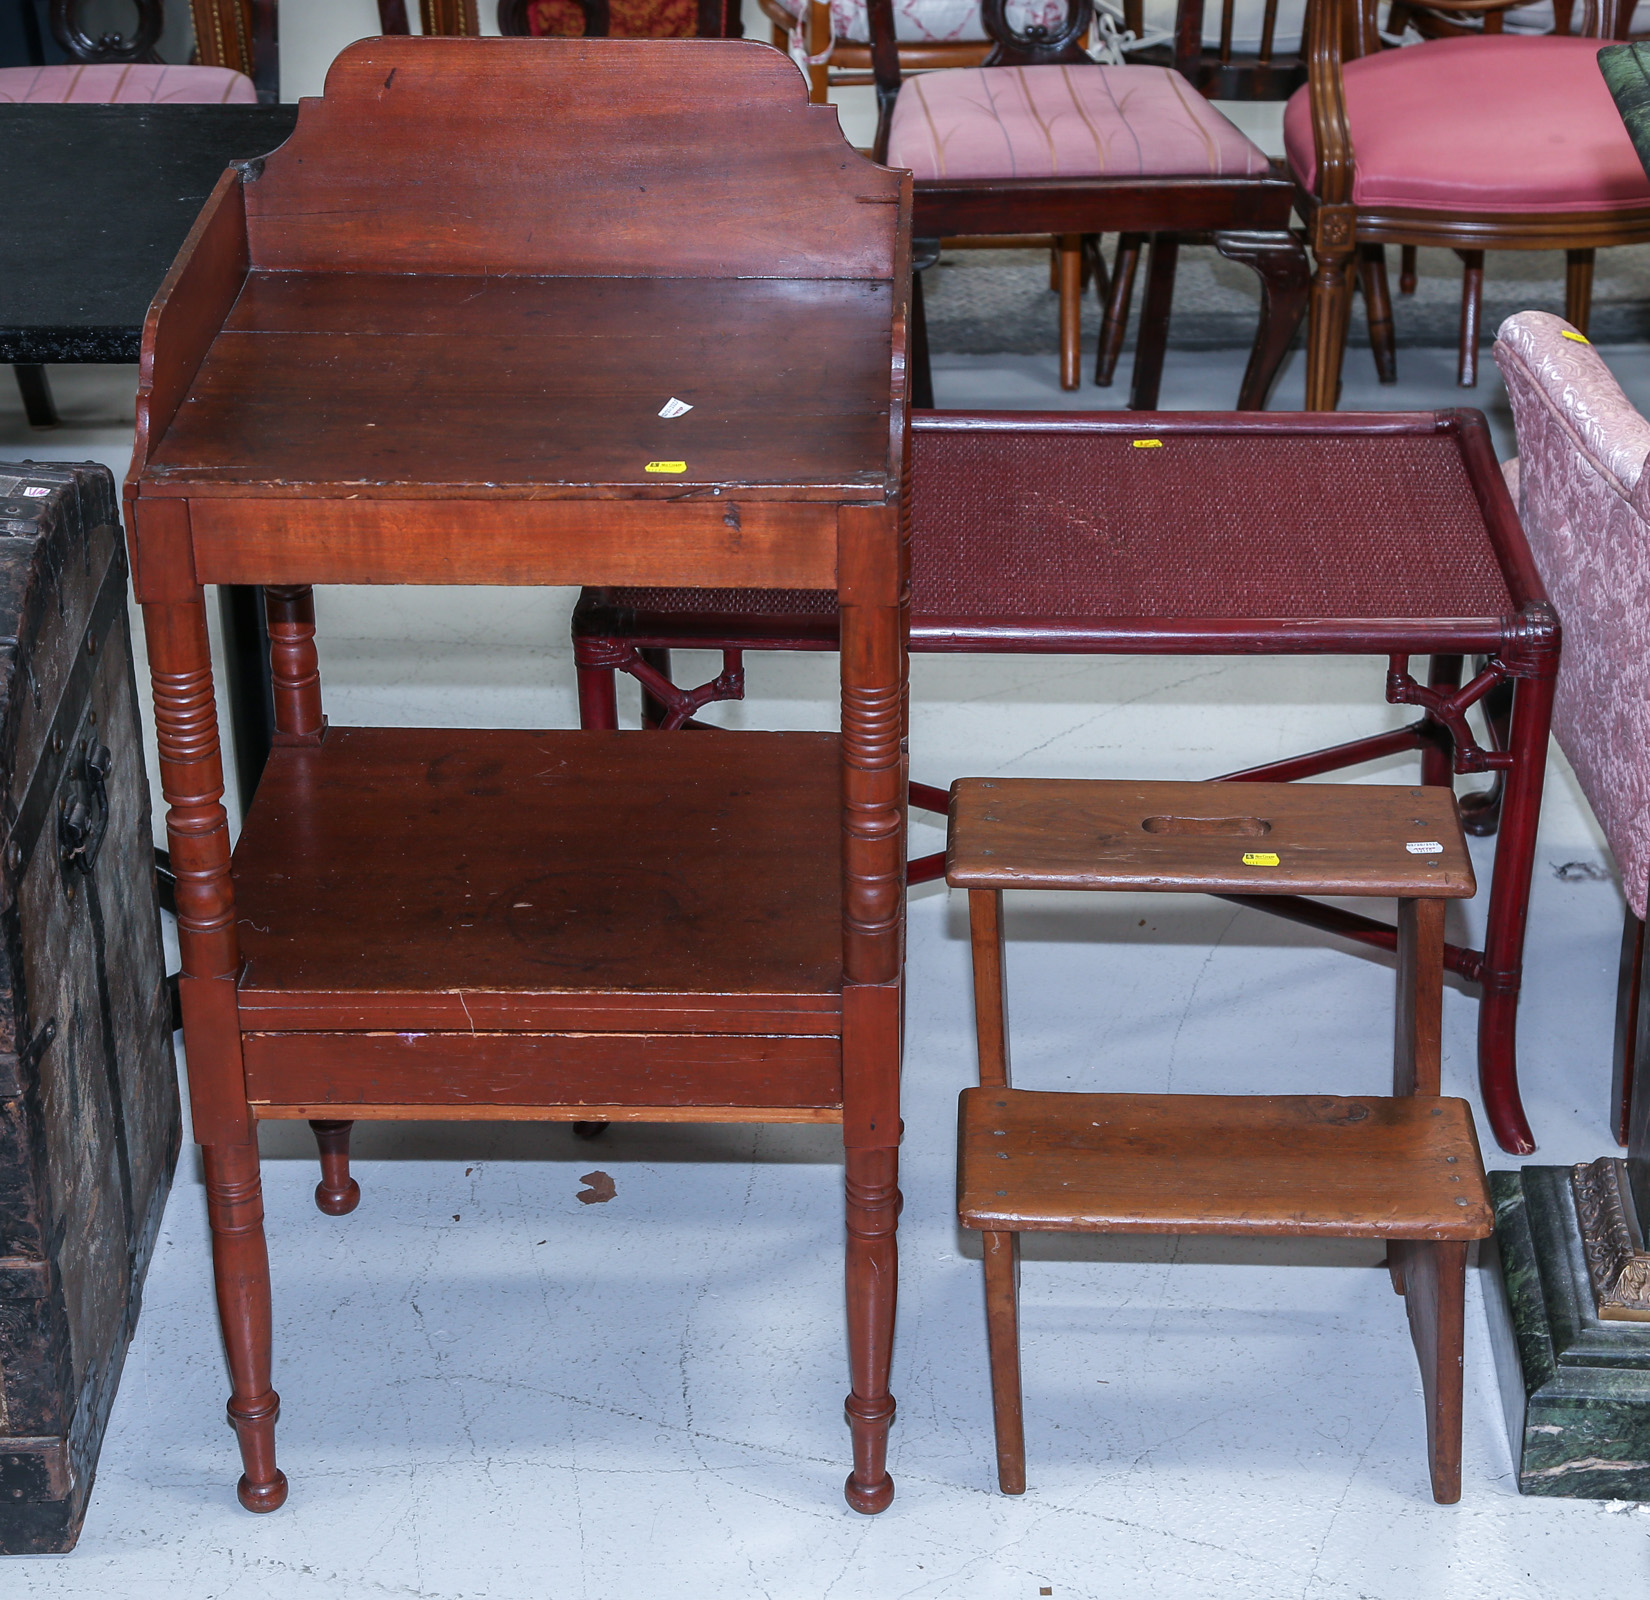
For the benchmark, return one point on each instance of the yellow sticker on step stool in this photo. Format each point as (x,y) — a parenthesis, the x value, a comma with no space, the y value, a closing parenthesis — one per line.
(666,466)
(1259,858)
(1570,333)
(1148,444)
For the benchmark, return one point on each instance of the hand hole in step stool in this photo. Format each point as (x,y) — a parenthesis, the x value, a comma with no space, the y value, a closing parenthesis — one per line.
(1241,827)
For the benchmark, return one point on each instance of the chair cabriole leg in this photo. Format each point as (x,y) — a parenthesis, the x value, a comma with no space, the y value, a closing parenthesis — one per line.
(1279,260)
(1002,1322)
(337,1193)
(1115,323)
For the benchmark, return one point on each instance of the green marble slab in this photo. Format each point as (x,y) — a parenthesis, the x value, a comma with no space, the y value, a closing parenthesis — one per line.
(1626,69)
(1576,1390)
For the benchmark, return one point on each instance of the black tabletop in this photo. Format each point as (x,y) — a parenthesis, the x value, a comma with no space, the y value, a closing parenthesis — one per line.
(96,201)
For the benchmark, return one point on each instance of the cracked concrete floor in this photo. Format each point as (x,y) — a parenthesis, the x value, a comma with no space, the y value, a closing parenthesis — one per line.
(493,1390)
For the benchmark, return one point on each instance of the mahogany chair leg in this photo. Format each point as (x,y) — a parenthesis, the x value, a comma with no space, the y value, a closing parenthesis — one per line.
(1094,268)
(36,390)
(1624,1064)
(1435,1280)
(1002,1323)
(1378,308)
(1153,339)
(1406,269)
(1578,288)
(337,1193)
(1327,313)
(1472,310)
(1071,310)
(871,1185)
(240,1266)
(1120,293)
(922,370)
(1279,261)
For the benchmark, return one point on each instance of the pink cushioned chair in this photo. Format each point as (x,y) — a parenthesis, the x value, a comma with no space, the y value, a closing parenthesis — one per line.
(1043,140)
(125,83)
(1583,492)
(1497,141)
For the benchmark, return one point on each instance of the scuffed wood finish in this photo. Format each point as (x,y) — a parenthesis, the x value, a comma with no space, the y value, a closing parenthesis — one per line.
(568,864)
(1368,1167)
(1418,1046)
(422,344)
(1340,839)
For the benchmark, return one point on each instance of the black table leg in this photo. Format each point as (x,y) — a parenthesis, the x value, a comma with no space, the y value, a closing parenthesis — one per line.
(37,394)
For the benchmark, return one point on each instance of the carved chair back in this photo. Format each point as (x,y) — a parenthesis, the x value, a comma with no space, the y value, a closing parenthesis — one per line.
(70,31)
(240,34)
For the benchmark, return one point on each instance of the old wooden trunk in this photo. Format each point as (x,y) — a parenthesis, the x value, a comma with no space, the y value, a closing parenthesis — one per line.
(89,1118)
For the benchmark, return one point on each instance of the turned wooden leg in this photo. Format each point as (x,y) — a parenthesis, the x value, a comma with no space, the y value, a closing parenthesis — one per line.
(1435,1280)
(240,1266)
(1578,288)
(871,1185)
(1278,259)
(1327,314)
(1153,339)
(1378,310)
(1472,310)
(337,1193)
(1002,1324)
(36,390)
(1406,270)
(1070,255)
(1115,324)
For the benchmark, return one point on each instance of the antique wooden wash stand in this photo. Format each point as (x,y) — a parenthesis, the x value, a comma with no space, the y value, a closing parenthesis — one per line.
(425,343)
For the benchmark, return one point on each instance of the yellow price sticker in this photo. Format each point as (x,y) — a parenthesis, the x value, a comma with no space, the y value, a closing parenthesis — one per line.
(1570,333)
(667,466)
(1259,858)
(1148,444)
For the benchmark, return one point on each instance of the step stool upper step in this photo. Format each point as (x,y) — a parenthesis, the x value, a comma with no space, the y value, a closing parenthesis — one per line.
(1221,838)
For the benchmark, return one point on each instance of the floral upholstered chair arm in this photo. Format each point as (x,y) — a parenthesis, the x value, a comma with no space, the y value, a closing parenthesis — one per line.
(1583,495)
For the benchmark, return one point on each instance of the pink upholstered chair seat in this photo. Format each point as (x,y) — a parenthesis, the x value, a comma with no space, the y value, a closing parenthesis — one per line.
(1063,122)
(1583,495)
(1480,125)
(132,84)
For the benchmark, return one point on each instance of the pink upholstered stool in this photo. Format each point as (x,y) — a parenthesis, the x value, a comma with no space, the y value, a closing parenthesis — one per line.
(131,83)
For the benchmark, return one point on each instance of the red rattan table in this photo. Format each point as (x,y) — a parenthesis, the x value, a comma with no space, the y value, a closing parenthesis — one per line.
(1201,534)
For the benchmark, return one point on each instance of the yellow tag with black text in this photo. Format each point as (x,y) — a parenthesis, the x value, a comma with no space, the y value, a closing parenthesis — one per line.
(1259,858)
(667,466)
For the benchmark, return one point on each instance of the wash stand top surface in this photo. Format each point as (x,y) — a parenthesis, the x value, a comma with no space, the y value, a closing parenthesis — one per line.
(354,321)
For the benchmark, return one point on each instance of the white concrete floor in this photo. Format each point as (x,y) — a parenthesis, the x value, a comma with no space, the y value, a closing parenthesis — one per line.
(492,1390)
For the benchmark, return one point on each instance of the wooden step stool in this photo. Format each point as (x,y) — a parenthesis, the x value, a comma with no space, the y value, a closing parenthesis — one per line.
(1404,1168)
